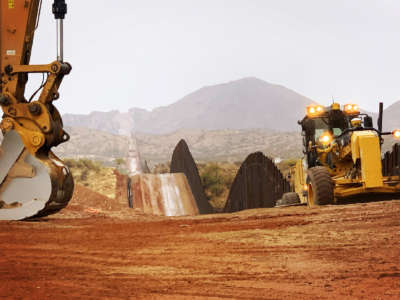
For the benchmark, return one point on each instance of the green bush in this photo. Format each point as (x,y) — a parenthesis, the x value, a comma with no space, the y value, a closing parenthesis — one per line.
(215,180)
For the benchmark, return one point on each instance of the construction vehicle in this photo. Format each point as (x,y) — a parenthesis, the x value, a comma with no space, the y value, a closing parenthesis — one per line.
(342,158)
(33,181)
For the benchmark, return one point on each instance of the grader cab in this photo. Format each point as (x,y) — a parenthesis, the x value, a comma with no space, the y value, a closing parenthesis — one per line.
(342,157)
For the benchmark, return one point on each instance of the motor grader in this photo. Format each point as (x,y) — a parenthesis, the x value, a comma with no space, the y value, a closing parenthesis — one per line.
(342,158)
(33,181)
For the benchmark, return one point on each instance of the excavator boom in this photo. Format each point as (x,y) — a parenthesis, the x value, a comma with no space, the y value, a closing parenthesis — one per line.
(33,181)
(17,28)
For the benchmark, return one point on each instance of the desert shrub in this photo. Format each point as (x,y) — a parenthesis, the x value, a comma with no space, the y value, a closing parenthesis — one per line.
(215,180)
(121,165)
(90,165)
(71,163)
(217,189)
(161,168)
(285,165)
(119,162)
(84,175)
(83,166)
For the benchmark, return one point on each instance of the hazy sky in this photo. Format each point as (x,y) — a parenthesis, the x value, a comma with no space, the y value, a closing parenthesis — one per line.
(151,53)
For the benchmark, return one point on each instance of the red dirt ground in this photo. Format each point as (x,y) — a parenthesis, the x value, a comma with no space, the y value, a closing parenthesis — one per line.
(95,250)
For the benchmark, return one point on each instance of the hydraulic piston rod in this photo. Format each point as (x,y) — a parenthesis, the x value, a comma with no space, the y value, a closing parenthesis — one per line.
(60,40)
(59,11)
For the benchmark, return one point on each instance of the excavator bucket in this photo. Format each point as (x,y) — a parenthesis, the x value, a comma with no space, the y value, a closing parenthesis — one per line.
(31,186)
(33,181)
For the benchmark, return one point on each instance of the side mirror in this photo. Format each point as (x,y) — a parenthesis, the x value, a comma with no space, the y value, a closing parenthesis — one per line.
(368,122)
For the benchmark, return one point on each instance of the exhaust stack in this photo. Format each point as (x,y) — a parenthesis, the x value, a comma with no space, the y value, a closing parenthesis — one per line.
(380,118)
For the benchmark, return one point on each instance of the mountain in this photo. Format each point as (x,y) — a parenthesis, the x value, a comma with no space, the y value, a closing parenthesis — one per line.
(247,103)
(112,122)
(391,117)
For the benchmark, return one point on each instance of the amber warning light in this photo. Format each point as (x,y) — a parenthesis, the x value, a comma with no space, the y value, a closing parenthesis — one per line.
(396,133)
(314,110)
(351,109)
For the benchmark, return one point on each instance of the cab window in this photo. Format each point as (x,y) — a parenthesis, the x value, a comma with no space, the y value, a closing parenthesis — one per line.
(337,131)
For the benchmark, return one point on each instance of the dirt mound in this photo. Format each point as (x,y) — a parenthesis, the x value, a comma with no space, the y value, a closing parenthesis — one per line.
(86,202)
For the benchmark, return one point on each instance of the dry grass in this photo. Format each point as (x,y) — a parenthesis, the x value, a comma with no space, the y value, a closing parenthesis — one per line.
(93,175)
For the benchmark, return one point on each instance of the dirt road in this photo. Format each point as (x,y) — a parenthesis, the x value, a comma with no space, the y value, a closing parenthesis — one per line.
(335,252)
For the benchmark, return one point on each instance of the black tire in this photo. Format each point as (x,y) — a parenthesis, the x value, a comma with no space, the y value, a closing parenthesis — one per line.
(320,187)
(288,199)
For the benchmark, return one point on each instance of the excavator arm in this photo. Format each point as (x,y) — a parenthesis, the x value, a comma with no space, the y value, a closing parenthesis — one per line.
(34,182)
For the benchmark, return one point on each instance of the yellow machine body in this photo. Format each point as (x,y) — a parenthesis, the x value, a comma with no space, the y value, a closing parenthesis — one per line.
(366,148)
(354,166)
(365,151)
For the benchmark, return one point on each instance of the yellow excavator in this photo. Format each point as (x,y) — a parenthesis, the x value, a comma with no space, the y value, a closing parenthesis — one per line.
(33,181)
(342,159)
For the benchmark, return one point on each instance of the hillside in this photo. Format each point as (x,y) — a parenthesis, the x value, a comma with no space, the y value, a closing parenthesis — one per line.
(217,145)
(391,118)
(242,104)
